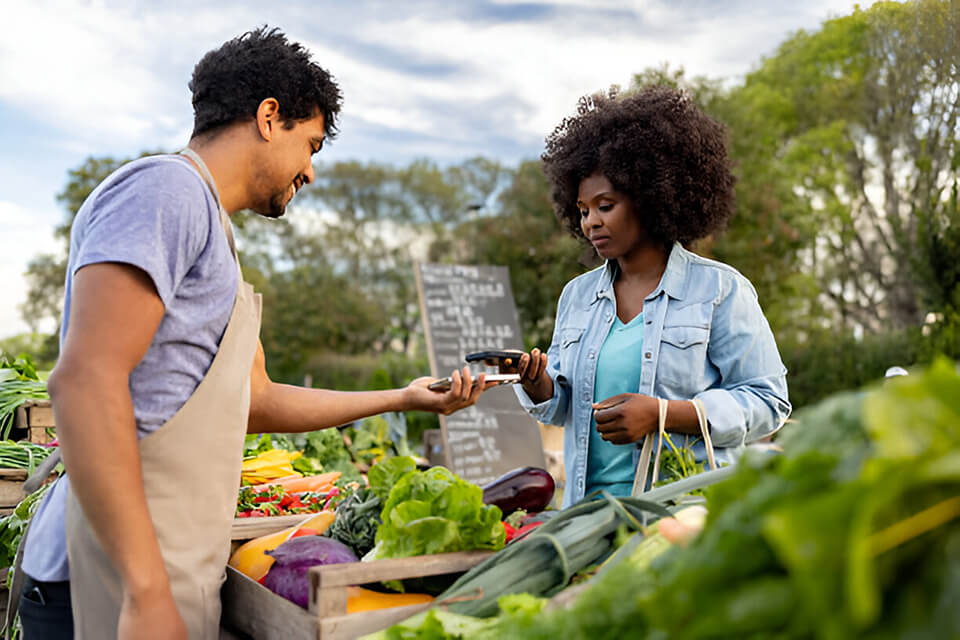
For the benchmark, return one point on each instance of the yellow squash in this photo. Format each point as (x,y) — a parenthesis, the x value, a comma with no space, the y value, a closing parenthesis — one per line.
(251,559)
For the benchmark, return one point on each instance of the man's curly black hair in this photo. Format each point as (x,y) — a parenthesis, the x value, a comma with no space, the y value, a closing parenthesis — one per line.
(229,83)
(656,147)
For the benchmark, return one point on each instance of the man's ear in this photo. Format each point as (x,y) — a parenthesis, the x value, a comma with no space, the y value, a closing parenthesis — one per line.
(268,117)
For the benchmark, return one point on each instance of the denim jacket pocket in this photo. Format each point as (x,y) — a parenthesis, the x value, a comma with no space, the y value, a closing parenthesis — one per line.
(683,354)
(569,340)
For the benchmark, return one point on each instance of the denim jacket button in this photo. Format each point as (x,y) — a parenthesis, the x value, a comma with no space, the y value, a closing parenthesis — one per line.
(648,355)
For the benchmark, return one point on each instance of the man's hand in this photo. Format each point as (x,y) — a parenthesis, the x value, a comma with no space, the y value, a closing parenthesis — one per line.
(464,391)
(150,618)
(626,418)
(532,368)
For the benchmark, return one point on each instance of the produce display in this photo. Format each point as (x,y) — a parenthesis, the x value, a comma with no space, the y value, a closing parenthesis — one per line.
(22,455)
(19,383)
(529,488)
(288,575)
(853,532)
(434,511)
(13,525)
(284,500)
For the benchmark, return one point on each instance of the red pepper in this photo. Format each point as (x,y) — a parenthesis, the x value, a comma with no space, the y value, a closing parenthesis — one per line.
(304,532)
(511,532)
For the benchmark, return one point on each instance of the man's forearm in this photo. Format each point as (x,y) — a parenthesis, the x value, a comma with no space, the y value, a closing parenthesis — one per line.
(282,408)
(97,431)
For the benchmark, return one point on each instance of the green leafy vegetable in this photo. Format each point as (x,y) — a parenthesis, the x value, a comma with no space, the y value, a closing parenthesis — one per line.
(434,511)
(13,525)
(19,383)
(357,521)
(853,532)
(384,476)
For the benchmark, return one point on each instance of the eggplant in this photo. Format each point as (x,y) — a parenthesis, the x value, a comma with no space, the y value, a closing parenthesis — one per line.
(527,488)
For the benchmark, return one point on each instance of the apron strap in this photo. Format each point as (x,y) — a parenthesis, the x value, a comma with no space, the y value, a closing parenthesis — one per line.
(41,473)
(208,179)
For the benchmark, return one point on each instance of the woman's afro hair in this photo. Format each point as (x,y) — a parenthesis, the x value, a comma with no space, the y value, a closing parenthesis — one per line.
(656,147)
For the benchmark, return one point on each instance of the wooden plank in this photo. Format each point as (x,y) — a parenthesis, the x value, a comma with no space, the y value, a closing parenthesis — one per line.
(358,624)
(39,435)
(11,492)
(13,474)
(247,528)
(341,575)
(40,416)
(253,610)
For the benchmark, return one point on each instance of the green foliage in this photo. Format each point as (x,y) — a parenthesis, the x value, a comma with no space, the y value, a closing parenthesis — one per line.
(851,533)
(13,526)
(358,518)
(385,475)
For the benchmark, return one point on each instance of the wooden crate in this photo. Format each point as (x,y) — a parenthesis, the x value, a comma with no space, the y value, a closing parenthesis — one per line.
(253,610)
(11,488)
(249,528)
(35,417)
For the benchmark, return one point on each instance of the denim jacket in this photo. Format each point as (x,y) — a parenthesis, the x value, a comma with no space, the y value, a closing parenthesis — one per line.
(705,337)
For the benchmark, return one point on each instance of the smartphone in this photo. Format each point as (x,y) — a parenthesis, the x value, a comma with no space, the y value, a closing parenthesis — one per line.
(443,384)
(508,358)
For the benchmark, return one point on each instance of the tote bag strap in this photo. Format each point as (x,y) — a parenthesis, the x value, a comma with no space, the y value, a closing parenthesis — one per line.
(705,431)
(640,475)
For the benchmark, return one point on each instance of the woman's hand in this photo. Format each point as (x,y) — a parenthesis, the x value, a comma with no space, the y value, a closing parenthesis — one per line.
(464,391)
(626,418)
(532,368)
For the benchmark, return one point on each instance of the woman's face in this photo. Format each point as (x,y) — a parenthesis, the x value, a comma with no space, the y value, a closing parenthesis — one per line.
(607,218)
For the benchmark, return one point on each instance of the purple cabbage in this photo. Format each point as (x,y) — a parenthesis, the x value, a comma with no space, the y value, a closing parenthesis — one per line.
(288,575)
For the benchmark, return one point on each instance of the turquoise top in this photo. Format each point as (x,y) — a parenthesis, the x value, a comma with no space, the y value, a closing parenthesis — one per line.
(610,466)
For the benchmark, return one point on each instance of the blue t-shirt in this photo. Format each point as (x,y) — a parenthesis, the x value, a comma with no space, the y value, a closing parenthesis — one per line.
(158,215)
(610,466)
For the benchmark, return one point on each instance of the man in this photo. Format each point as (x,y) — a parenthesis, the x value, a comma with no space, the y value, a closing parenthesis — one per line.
(161,372)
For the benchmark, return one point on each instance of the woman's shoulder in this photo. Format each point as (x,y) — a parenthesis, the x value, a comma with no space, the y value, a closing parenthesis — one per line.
(588,282)
(722,275)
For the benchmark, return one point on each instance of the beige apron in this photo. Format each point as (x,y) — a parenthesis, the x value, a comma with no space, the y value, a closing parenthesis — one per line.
(191,475)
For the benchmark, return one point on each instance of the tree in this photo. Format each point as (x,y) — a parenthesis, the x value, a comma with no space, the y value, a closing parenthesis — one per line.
(849,137)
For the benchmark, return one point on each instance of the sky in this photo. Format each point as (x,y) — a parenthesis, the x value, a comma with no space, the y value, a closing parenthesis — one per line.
(421,78)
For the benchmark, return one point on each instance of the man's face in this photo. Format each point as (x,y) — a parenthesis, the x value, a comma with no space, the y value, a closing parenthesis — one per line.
(285,166)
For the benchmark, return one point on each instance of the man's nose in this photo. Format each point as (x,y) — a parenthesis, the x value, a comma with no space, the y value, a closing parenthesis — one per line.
(308,175)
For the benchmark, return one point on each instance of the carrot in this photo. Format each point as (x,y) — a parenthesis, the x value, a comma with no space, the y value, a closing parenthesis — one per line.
(320,482)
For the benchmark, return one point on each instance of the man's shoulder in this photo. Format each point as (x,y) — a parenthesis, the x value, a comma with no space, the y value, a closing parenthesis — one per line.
(157,183)
(171,173)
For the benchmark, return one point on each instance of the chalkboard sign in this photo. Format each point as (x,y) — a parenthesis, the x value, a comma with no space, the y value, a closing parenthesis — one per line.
(467,309)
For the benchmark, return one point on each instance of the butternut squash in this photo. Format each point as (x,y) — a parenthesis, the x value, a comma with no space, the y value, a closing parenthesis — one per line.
(360,599)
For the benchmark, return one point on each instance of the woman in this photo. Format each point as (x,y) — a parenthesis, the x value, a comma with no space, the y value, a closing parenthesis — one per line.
(638,177)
